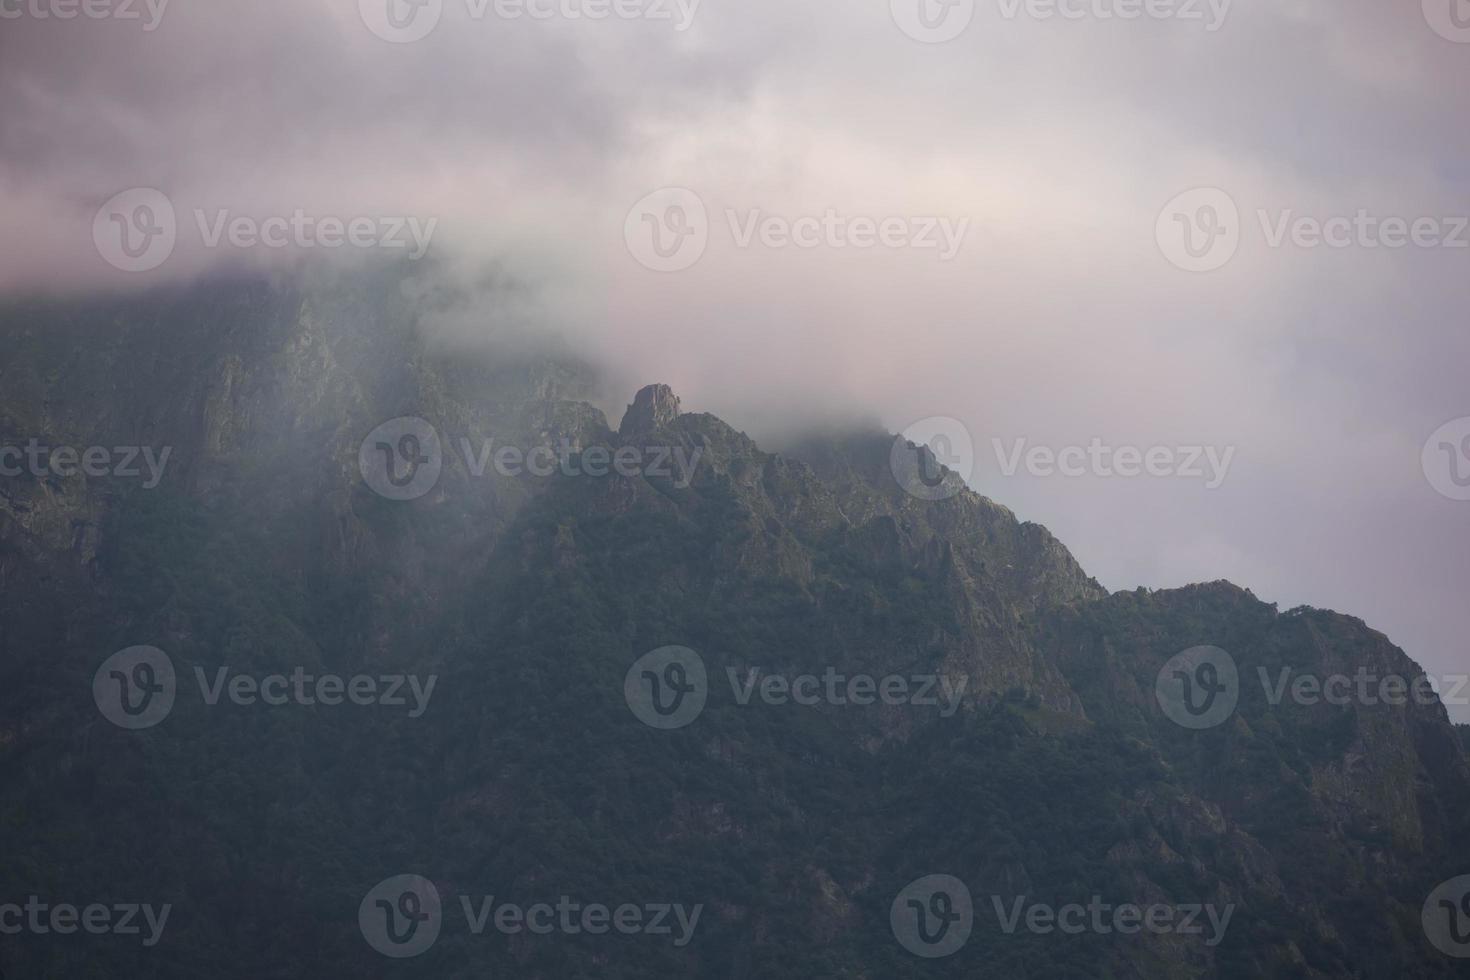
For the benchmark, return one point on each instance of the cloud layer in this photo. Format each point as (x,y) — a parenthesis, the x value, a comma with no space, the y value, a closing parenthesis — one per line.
(1057,140)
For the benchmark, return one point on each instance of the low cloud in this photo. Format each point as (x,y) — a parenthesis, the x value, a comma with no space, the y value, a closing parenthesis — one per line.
(1058,319)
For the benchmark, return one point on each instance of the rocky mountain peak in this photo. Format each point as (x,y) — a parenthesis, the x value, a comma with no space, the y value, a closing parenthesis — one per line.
(654,407)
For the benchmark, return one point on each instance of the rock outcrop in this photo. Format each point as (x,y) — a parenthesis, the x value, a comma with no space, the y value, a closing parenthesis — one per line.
(654,407)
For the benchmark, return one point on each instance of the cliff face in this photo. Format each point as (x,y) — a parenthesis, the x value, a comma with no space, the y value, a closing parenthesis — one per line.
(525,553)
(254,400)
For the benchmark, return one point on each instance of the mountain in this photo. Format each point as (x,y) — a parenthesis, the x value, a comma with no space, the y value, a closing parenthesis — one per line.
(345,496)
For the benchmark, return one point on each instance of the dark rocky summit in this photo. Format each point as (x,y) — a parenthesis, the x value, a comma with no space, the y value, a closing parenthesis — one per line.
(653,408)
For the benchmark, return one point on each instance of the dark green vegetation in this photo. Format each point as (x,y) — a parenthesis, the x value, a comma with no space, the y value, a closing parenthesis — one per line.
(528,777)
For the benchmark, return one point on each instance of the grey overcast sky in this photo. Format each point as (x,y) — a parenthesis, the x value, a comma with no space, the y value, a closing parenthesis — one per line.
(1082,298)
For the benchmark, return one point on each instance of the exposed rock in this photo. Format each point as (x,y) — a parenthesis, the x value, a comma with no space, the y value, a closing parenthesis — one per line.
(654,407)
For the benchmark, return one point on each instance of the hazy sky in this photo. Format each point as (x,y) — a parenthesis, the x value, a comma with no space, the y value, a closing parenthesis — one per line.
(1050,149)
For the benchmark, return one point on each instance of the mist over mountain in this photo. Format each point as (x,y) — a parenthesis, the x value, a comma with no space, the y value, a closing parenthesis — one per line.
(734,489)
(1056,141)
(717,711)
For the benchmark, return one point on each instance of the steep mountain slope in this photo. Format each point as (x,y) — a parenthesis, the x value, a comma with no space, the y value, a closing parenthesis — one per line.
(1043,768)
